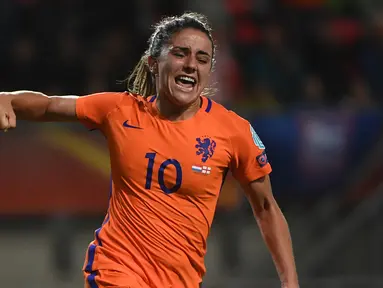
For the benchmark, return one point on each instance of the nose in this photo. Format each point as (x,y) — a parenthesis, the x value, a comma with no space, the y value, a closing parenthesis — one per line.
(190,65)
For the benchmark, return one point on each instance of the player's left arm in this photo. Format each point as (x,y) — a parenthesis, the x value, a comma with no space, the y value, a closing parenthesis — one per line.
(274,229)
(251,168)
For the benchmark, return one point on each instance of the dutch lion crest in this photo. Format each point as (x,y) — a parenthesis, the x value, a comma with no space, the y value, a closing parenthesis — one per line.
(205,147)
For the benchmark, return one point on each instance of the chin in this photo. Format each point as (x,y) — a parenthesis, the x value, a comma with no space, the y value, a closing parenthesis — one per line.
(184,99)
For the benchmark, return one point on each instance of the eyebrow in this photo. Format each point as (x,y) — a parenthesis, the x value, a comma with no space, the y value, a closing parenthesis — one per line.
(187,49)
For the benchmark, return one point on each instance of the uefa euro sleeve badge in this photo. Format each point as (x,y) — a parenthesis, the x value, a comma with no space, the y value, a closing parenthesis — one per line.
(256,139)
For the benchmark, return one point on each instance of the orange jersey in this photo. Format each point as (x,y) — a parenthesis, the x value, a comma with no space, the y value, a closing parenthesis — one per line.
(166,178)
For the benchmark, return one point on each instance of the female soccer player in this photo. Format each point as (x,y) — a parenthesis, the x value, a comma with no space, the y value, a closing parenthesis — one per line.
(170,148)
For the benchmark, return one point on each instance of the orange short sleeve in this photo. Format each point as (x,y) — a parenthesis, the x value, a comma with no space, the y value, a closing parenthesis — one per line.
(93,109)
(249,161)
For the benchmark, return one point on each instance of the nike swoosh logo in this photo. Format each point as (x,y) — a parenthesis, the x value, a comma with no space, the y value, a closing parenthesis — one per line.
(130,126)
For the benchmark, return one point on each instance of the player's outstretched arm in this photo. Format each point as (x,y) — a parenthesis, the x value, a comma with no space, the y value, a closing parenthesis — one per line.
(274,229)
(35,106)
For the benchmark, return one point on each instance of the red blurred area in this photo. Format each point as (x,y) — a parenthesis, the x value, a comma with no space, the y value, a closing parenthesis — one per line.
(37,179)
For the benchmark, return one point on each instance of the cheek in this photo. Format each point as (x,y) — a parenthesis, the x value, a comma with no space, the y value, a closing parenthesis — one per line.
(167,70)
(205,77)
(163,74)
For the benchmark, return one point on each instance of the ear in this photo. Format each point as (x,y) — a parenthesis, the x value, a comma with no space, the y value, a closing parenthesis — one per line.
(153,65)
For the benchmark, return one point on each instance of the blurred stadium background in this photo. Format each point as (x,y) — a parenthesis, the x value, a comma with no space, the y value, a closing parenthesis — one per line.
(306,73)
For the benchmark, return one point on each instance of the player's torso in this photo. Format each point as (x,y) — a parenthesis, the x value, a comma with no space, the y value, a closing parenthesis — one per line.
(187,158)
(167,177)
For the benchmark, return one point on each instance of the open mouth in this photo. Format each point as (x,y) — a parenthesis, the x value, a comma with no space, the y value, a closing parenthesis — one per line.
(186,81)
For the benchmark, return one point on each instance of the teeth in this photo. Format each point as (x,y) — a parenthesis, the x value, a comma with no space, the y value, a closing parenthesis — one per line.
(187,79)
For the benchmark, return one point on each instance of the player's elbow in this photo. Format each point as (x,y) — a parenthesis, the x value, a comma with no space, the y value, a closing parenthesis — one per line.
(262,208)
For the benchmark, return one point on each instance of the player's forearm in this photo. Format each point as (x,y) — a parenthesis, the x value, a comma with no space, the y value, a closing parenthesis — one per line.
(28,105)
(276,234)
(36,106)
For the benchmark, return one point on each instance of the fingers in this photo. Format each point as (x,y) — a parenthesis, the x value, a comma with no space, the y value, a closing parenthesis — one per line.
(7,121)
(4,122)
(12,119)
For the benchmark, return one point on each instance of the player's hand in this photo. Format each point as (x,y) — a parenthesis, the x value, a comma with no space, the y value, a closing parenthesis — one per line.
(7,115)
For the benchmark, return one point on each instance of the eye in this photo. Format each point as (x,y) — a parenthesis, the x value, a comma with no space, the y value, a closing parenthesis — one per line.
(203,60)
(179,54)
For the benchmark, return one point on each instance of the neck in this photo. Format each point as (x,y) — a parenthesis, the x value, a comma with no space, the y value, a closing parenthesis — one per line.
(176,113)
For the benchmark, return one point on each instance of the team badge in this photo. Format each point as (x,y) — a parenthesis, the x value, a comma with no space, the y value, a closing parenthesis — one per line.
(205,147)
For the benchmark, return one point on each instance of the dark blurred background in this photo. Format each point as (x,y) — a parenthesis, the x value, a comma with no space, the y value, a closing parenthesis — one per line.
(306,74)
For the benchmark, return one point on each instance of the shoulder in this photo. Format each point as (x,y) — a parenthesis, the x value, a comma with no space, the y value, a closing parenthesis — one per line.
(226,117)
(130,104)
(235,127)
(108,102)
(103,98)
(131,98)
(127,99)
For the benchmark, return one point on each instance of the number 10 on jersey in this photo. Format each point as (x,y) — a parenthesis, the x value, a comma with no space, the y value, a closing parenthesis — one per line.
(161,173)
